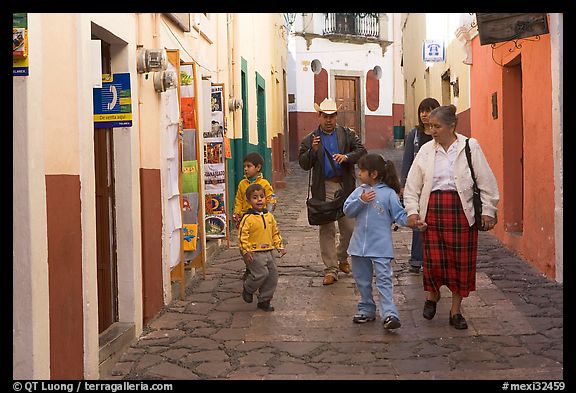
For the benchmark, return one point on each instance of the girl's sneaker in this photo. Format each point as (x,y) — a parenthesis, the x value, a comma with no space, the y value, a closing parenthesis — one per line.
(391,322)
(362,318)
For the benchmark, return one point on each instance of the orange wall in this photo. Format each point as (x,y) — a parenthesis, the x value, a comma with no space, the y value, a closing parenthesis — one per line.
(536,244)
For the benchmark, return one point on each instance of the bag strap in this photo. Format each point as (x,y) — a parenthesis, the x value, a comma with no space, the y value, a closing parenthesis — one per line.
(331,160)
(309,178)
(469,158)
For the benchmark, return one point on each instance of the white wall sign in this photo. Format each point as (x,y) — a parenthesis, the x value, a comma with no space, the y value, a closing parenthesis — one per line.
(433,51)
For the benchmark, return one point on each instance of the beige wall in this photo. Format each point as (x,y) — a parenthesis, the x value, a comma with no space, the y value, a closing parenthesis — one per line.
(55,129)
(261,42)
(415,32)
(60,93)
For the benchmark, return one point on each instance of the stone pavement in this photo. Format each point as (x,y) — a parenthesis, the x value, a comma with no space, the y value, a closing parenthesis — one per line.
(515,320)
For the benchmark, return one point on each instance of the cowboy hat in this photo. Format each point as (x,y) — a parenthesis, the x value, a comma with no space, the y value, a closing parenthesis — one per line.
(327,106)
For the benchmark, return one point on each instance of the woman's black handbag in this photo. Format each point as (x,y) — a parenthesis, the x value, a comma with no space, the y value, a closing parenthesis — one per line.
(324,212)
(476,200)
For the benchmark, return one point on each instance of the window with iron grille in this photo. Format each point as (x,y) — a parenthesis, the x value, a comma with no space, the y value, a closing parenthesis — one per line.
(363,25)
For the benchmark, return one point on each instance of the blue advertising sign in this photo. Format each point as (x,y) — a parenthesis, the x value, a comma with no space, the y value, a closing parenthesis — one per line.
(112,102)
(433,51)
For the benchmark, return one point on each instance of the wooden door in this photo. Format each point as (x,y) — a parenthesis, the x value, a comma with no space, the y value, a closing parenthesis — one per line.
(347,95)
(105,217)
(105,229)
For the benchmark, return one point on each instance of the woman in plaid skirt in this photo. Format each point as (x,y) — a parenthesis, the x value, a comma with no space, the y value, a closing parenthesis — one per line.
(439,189)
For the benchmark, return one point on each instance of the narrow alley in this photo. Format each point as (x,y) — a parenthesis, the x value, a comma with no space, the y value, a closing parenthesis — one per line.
(515,320)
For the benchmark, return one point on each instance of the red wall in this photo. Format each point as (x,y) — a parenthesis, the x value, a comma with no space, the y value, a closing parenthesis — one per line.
(64,226)
(398,114)
(379,131)
(151,208)
(464,122)
(536,242)
(300,124)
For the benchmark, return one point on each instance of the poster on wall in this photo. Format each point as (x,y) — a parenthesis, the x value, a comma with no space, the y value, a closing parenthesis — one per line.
(113,102)
(214,178)
(214,151)
(214,166)
(217,119)
(215,226)
(20,44)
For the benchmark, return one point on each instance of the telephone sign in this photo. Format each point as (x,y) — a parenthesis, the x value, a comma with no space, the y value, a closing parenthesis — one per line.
(112,102)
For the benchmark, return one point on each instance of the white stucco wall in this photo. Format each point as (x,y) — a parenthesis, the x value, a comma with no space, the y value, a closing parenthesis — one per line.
(337,58)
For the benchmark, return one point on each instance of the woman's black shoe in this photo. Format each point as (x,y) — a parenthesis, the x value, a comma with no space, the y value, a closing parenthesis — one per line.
(429,309)
(458,321)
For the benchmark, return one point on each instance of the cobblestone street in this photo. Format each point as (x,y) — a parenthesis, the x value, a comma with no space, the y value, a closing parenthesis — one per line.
(515,319)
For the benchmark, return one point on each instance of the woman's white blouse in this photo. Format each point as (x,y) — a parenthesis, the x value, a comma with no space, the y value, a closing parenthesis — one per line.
(444,168)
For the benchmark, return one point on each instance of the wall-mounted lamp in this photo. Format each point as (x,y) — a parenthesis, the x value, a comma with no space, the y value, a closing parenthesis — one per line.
(148,60)
(164,80)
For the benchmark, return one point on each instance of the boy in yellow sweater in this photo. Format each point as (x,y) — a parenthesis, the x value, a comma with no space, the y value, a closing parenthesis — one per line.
(253,163)
(258,235)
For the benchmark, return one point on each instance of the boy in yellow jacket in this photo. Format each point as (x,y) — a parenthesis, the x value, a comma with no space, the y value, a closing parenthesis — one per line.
(258,235)
(253,163)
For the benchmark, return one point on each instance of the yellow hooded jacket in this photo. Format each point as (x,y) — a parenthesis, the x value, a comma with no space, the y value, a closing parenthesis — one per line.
(241,206)
(258,231)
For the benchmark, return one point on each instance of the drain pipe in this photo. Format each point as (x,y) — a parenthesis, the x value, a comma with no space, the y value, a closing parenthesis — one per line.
(231,73)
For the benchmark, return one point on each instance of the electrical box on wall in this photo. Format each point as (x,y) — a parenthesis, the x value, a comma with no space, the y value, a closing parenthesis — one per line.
(164,80)
(151,60)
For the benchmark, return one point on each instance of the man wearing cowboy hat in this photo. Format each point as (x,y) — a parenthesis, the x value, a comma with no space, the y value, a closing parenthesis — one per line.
(345,148)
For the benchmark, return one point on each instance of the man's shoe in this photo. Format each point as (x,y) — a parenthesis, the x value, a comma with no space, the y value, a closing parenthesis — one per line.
(458,321)
(391,322)
(414,269)
(329,279)
(362,318)
(247,296)
(345,267)
(265,306)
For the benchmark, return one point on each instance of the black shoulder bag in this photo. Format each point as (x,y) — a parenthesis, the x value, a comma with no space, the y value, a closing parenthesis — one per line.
(476,200)
(323,212)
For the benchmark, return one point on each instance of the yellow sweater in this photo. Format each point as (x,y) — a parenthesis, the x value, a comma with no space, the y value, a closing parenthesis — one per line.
(241,206)
(258,231)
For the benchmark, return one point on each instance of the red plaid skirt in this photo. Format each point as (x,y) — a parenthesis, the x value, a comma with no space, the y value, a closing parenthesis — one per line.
(450,245)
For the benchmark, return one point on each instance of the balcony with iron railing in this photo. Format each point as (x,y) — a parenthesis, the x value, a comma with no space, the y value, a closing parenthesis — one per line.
(351,26)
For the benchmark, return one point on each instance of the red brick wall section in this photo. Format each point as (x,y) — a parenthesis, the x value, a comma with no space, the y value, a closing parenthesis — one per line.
(151,210)
(372,91)
(64,230)
(301,124)
(278,162)
(398,114)
(464,123)
(379,132)
(320,86)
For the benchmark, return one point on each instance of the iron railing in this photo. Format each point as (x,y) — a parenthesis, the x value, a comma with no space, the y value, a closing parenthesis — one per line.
(361,25)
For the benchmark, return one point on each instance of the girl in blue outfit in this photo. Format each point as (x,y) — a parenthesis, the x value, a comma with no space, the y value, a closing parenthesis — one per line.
(375,206)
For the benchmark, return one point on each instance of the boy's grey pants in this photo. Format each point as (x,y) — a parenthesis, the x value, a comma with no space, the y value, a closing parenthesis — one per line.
(263,275)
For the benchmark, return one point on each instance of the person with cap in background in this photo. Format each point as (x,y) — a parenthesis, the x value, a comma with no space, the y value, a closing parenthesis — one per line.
(345,148)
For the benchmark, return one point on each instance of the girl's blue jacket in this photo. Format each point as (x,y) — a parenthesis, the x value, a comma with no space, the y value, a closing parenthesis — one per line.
(372,235)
